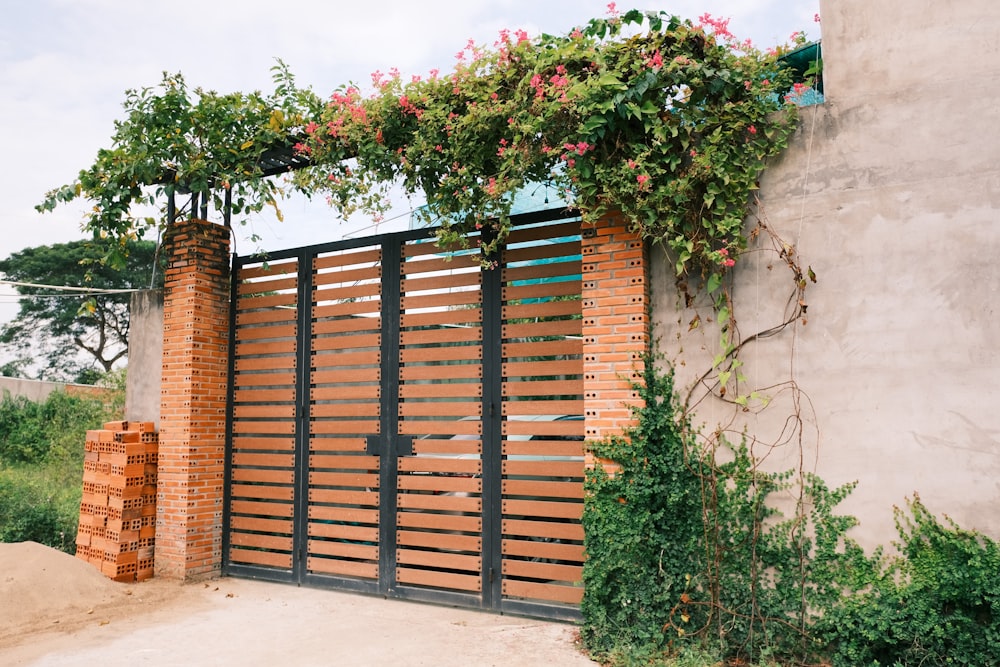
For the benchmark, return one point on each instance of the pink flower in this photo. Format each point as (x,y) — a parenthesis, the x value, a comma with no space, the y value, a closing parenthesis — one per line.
(521,35)
(724,252)
(729,262)
(576,34)
(434,73)
(694,153)
(752,129)
(642,179)
(816,18)
(311,127)
(632,164)
(747,85)
(612,9)
(655,61)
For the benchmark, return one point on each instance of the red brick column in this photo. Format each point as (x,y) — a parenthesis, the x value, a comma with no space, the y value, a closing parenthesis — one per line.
(193,401)
(615,324)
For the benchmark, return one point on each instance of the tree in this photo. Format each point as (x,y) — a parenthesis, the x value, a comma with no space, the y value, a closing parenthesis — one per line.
(70,335)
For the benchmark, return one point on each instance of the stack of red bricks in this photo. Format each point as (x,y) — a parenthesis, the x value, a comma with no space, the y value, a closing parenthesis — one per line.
(118,509)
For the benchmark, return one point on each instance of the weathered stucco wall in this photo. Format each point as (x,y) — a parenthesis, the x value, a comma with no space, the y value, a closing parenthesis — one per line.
(145,357)
(891,193)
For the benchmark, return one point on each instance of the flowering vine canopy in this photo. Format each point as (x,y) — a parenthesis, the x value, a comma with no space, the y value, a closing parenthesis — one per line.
(666,120)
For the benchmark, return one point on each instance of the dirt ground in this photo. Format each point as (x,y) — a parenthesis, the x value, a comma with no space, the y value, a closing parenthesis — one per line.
(57,610)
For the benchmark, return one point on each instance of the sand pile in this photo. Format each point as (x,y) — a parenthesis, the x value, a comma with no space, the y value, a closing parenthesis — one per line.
(40,585)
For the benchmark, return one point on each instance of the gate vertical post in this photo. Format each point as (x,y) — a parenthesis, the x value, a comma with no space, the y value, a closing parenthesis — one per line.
(193,401)
(615,298)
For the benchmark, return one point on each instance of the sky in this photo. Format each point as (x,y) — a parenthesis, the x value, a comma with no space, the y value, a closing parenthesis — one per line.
(66,64)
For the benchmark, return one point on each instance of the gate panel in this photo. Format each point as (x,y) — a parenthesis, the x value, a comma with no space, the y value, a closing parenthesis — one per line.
(542,392)
(342,516)
(439,520)
(406,423)
(261,483)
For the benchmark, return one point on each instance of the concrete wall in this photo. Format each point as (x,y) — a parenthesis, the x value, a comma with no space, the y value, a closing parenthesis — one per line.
(891,193)
(145,357)
(38,390)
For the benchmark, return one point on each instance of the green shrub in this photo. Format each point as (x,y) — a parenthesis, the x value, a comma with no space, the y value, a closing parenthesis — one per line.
(936,603)
(41,462)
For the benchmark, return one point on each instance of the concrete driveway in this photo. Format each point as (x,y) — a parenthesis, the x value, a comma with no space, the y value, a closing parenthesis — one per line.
(248,623)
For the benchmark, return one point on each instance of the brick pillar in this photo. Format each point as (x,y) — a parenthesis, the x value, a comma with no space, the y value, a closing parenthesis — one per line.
(193,401)
(615,324)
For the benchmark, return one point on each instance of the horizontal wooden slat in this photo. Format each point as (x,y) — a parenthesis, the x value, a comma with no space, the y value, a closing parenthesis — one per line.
(346,568)
(455,334)
(345,342)
(542,251)
(369,498)
(260,525)
(542,570)
(348,276)
(539,407)
(545,348)
(446,317)
(344,531)
(342,514)
(439,408)
(333,445)
(562,551)
(463,582)
(276,542)
(269,558)
(570,268)
(468,352)
(551,592)
(441,372)
(541,429)
(438,483)
(261,460)
(449,427)
(261,508)
(437,446)
(536,368)
(442,502)
(441,259)
(262,427)
(339,310)
(444,299)
(349,377)
(272,411)
(271,380)
(344,292)
(265,363)
(274,284)
(449,541)
(349,479)
(288,301)
(515,487)
(262,333)
(466,524)
(255,475)
(569,227)
(431,464)
(441,390)
(347,258)
(261,491)
(370,409)
(543,508)
(270,269)
(342,462)
(544,328)
(572,387)
(543,529)
(363,358)
(344,549)
(330,427)
(544,293)
(249,319)
(279,443)
(544,468)
(344,392)
(543,447)
(283,395)
(439,559)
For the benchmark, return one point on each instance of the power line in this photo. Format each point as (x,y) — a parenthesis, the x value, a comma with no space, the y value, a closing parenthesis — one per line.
(67,288)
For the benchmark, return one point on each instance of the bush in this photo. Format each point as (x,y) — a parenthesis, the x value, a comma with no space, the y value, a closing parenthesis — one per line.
(41,463)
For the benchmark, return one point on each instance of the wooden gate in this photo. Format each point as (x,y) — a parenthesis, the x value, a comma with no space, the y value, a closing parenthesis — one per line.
(404,423)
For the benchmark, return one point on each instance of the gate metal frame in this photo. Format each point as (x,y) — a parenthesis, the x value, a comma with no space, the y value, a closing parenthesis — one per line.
(389,445)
